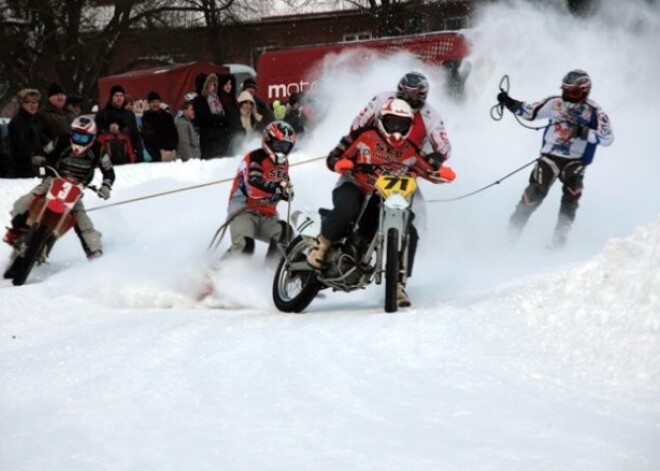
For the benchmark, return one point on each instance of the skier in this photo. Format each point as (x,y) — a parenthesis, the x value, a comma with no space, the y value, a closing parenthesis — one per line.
(386,142)
(262,181)
(576,126)
(428,131)
(75,159)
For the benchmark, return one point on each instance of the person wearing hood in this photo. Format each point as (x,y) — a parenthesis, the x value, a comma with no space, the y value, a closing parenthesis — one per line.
(210,117)
(251,122)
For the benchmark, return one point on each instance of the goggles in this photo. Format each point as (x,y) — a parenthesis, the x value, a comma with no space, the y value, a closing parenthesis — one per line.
(281,147)
(81,139)
(393,123)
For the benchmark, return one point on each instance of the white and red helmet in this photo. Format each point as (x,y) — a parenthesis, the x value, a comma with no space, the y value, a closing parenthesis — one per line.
(83,134)
(394,121)
(279,139)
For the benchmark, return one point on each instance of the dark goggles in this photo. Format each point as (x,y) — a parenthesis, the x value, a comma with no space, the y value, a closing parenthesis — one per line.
(81,139)
(393,123)
(281,147)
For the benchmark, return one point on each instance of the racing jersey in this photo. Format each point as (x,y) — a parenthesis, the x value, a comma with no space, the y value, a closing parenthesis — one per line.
(257,183)
(81,169)
(367,146)
(559,139)
(427,133)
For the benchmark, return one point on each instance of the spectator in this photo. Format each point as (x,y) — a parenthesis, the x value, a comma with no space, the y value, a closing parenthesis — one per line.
(188,147)
(25,140)
(52,120)
(279,110)
(263,109)
(295,115)
(227,96)
(158,130)
(210,116)
(115,118)
(73,107)
(251,122)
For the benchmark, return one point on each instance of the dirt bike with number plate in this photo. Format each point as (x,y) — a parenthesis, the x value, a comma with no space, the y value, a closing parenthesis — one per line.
(49,217)
(351,263)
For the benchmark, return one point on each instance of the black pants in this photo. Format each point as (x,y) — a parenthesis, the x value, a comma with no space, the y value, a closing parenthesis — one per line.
(347,200)
(546,171)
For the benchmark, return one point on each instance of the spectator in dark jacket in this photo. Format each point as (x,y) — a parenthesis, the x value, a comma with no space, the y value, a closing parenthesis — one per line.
(25,140)
(210,117)
(158,130)
(227,95)
(295,114)
(52,120)
(115,118)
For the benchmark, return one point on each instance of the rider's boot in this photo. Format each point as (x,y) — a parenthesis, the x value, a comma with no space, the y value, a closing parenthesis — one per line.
(316,256)
(402,298)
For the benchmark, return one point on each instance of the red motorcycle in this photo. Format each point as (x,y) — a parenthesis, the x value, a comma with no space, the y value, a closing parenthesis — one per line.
(49,217)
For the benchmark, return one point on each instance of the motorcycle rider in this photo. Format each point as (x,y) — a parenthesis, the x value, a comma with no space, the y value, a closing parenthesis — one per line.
(576,126)
(262,181)
(428,131)
(385,144)
(75,159)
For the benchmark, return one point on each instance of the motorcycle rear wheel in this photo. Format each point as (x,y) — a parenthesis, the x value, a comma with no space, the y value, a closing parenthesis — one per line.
(294,290)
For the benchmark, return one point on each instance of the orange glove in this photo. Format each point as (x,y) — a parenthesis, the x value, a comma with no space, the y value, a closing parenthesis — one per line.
(344,165)
(444,175)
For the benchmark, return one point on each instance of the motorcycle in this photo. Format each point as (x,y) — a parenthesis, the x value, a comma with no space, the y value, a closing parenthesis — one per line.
(351,263)
(49,217)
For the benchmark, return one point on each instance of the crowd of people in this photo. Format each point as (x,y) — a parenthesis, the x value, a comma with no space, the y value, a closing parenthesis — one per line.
(216,120)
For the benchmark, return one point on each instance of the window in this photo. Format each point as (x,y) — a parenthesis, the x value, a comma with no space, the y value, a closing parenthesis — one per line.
(357,36)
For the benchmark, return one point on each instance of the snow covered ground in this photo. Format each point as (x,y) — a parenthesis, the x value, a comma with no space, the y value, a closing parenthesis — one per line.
(509,359)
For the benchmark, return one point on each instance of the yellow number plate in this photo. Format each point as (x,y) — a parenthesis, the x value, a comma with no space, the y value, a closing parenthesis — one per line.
(403,184)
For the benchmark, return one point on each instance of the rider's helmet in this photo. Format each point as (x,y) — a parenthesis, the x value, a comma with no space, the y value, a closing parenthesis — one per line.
(279,138)
(83,134)
(575,86)
(413,88)
(394,121)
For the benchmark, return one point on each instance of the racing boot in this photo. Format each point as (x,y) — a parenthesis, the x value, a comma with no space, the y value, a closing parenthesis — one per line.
(316,256)
(402,299)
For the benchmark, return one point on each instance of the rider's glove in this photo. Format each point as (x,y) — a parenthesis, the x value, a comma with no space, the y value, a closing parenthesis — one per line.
(435,159)
(504,99)
(444,175)
(48,148)
(285,190)
(38,161)
(344,165)
(104,191)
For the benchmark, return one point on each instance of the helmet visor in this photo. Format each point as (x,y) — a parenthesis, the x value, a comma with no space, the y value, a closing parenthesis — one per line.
(393,123)
(281,147)
(82,139)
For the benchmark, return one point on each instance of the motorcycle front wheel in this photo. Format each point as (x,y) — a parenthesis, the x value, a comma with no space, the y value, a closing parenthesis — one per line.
(36,242)
(295,284)
(391,270)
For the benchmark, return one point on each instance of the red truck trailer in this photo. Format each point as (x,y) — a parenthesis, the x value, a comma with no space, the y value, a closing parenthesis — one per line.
(283,72)
(172,82)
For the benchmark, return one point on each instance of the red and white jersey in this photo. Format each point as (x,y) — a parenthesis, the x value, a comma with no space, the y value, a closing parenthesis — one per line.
(428,130)
(256,184)
(367,146)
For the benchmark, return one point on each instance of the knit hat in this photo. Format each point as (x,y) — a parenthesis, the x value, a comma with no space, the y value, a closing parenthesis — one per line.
(117,89)
(73,100)
(153,96)
(55,89)
(249,83)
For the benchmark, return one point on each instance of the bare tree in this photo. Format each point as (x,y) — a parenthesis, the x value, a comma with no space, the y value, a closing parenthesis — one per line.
(76,41)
